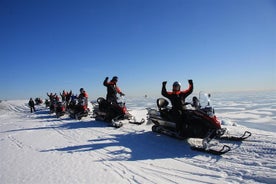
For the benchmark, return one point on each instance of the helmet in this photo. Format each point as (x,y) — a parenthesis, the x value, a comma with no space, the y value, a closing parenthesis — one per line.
(176,83)
(176,86)
(81,89)
(115,78)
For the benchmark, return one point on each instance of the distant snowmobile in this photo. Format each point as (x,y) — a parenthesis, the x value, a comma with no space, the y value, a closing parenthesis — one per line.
(60,109)
(38,101)
(52,105)
(78,109)
(200,122)
(112,113)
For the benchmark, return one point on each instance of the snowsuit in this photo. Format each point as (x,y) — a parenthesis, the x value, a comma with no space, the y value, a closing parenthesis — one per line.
(177,99)
(68,97)
(112,109)
(63,95)
(32,105)
(83,97)
(112,91)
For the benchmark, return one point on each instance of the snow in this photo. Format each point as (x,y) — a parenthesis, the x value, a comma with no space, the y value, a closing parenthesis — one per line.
(40,148)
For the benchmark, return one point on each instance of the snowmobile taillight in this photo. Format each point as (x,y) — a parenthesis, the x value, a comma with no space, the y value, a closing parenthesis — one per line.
(124,109)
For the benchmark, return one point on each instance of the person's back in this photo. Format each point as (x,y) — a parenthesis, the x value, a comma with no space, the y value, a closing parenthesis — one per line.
(31,102)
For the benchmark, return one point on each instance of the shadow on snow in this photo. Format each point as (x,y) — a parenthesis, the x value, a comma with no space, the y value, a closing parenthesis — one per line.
(131,146)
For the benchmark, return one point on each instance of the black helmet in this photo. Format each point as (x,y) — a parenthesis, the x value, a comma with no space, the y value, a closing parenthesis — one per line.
(176,86)
(176,83)
(115,78)
(81,89)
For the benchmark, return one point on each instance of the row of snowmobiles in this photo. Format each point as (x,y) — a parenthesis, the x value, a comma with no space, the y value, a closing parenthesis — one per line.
(114,114)
(200,121)
(76,108)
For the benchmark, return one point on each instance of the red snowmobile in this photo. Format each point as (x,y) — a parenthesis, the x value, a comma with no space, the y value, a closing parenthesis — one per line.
(60,109)
(199,121)
(78,108)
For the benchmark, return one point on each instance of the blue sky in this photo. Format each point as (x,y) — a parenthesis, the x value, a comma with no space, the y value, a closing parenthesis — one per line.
(51,45)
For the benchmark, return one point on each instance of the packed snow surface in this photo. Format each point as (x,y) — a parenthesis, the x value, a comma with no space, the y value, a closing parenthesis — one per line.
(40,148)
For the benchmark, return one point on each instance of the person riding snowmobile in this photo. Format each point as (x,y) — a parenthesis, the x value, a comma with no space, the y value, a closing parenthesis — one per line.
(112,90)
(63,95)
(112,106)
(83,96)
(78,106)
(177,99)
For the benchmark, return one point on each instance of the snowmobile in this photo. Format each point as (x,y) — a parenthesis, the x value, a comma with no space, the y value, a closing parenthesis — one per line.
(112,113)
(47,103)
(60,109)
(52,105)
(199,121)
(78,109)
(38,101)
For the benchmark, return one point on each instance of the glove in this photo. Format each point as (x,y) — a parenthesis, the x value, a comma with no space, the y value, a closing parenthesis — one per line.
(164,83)
(122,94)
(190,81)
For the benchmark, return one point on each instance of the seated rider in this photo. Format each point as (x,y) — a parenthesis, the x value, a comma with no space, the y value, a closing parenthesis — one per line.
(83,100)
(177,99)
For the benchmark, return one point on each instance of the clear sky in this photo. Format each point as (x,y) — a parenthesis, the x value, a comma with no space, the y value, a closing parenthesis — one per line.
(51,45)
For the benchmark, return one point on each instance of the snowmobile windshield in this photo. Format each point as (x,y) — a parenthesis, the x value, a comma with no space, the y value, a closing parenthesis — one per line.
(205,99)
(121,99)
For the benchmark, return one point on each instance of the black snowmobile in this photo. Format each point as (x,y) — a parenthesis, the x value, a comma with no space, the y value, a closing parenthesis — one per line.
(199,121)
(78,109)
(112,113)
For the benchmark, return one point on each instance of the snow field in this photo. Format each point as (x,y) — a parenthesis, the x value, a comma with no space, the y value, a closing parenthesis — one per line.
(39,148)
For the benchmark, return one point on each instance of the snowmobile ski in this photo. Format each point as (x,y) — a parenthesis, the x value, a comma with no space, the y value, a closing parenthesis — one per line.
(137,122)
(221,151)
(117,124)
(245,135)
(113,123)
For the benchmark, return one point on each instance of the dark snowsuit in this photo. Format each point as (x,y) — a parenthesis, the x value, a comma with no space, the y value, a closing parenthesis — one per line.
(68,97)
(177,99)
(112,91)
(32,105)
(112,107)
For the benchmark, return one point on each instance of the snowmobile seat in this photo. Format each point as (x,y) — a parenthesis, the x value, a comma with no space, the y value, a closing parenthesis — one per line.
(103,104)
(196,103)
(164,110)
(100,99)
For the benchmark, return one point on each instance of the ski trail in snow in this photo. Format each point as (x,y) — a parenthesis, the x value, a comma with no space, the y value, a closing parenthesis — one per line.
(16,142)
